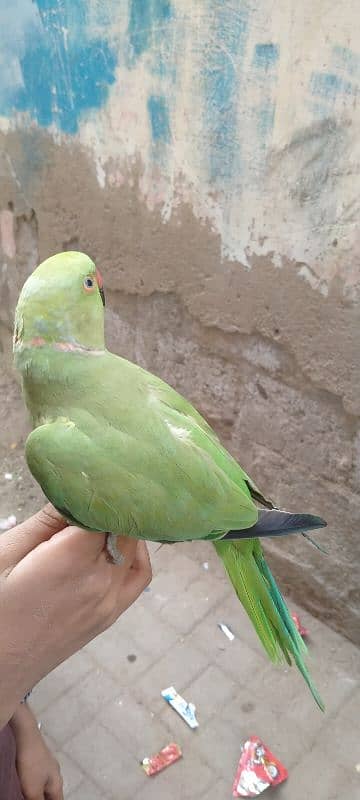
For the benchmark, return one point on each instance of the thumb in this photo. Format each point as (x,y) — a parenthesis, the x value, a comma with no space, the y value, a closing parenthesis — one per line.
(16,543)
(82,543)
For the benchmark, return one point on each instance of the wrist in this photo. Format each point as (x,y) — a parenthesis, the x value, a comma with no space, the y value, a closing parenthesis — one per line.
(19,669)
(14,687)
(25,729)
(12,693)
(23,719)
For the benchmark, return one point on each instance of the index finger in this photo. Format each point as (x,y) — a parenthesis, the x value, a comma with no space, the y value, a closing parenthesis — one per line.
(18,542)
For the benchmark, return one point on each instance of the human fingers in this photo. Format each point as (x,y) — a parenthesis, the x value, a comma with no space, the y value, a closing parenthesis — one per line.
(141,562)
(140,574)
(125,589)
(84,544)
(71,551)
(80,543)
(16,543)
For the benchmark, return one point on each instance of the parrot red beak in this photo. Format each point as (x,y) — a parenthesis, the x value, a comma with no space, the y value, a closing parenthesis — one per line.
(100,284)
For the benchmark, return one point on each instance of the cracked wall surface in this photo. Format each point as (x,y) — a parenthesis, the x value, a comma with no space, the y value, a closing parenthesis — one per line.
(214,179)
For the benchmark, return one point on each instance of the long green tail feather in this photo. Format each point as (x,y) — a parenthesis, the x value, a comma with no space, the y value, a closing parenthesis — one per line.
(257,591)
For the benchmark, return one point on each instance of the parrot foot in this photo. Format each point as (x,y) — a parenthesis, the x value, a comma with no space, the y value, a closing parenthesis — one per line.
(115,556)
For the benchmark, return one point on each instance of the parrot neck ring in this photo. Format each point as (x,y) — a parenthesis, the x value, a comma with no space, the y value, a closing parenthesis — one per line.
(68,347)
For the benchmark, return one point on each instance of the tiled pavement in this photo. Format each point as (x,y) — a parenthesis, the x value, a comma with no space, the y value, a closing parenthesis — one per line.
(102,710)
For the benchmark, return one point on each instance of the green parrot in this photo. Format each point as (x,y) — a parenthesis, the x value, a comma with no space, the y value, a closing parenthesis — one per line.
(117,450)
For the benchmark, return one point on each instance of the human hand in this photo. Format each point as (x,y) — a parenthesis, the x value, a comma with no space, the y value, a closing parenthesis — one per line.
(58,591)
(38,770)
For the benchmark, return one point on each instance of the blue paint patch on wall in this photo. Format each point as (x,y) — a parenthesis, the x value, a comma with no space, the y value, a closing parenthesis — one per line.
(162,62)
(263,77)
(266,115)
(64,71)
(266,55)
(329,85)
(153,36)
(159,119)
(146,20)
(221,78)
(347,59)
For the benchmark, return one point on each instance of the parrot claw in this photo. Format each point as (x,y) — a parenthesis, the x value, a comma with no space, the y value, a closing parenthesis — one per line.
(115,556)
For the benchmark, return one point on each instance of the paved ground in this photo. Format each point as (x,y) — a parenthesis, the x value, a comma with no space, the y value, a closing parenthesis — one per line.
(102,710)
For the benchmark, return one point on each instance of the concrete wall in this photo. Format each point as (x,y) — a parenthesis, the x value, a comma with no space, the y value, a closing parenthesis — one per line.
(206,155)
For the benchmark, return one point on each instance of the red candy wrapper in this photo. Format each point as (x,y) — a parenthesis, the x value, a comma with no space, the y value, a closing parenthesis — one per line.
(258,768)
(303,631)
(168,755)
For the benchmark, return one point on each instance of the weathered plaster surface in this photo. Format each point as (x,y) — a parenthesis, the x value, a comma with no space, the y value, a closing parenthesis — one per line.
(206,155)
(247,111)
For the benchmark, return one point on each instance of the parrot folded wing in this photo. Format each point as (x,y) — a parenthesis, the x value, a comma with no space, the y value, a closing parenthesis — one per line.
(183,413)
(108,482)
(60,457)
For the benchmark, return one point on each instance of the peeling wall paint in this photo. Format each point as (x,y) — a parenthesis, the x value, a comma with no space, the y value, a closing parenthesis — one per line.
(7,237)
(159,118)
(247,111)
(62,71)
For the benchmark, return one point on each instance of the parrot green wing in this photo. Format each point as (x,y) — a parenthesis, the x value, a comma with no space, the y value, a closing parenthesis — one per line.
(139,460)
(57,454)
(182,411)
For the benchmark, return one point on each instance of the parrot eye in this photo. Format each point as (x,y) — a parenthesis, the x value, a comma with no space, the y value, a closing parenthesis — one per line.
(89,283)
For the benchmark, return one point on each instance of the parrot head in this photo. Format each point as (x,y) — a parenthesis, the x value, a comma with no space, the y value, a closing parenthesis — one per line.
(62,302)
